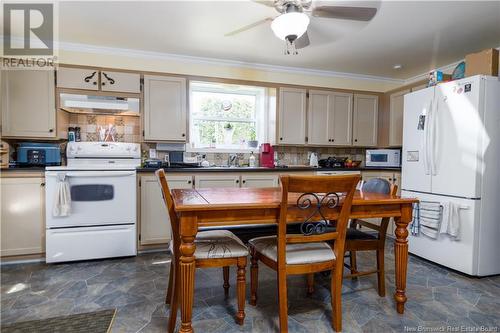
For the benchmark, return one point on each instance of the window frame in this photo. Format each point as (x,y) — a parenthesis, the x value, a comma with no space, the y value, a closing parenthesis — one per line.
(260,119)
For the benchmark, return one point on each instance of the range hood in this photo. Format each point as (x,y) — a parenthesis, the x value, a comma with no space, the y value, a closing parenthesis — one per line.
(99,104)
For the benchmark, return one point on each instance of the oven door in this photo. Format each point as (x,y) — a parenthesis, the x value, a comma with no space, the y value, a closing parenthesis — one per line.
(97,198)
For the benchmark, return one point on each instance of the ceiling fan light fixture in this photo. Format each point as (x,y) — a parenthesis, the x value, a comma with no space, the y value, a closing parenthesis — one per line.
(292,25)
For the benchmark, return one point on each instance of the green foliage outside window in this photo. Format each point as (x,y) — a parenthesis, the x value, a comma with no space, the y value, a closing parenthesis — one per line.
(240,116)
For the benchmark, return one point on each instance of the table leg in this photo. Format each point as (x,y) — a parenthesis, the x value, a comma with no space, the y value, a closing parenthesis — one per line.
(188,229)
(401,255)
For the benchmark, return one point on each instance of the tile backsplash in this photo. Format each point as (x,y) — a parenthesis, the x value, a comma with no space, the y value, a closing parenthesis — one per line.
(127,127)
(286,155)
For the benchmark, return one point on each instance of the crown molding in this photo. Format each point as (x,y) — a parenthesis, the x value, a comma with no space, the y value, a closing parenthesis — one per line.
(87,48)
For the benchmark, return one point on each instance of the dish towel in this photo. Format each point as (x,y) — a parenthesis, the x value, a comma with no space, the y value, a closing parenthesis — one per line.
(450,223)
(426,219)
(415,223)
(62,201)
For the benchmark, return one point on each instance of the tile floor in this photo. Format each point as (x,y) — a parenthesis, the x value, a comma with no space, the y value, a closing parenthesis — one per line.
(136,287)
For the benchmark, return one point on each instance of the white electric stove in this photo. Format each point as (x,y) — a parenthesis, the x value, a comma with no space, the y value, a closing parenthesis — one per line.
(101,178)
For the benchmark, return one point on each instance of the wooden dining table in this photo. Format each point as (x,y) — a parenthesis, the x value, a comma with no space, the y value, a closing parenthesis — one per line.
(219,207)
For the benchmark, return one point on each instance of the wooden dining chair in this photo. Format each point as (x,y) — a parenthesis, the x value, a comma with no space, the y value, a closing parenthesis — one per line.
(214,248)
(358,240)
(312,200)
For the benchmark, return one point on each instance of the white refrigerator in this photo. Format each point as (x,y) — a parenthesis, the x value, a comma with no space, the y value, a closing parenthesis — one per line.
(451,153)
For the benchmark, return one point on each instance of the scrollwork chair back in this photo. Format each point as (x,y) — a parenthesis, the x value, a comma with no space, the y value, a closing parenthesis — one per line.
(313,200)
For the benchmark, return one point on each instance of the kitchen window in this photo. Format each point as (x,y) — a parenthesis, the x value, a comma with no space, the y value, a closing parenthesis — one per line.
(228,117)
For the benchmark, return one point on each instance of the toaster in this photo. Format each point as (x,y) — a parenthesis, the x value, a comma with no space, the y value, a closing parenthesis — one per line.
(38,154)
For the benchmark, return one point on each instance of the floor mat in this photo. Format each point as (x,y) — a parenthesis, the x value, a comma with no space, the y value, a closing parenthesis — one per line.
(95,322)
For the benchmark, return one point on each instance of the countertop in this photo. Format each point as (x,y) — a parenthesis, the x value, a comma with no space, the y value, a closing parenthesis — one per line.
(227,169)
(262,169)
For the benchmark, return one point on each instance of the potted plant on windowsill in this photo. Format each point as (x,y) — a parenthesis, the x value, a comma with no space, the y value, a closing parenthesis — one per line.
(228,133)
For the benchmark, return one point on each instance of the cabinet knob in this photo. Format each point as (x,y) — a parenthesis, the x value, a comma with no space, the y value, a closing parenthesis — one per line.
(42,184)
(355,140)
(281,139)
(189,182)
(243,181)
(103,83)
(94,83)
(183,134)
(51,130)
(237,181)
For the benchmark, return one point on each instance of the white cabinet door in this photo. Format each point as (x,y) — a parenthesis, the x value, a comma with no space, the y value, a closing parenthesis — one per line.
(258,181)
(164,108)
(78,78)
(319,117)
(155,222)
(341,122)
(292,116)
(120,82)
(208,181)
(396,118)
(28,104)
(22,216)
(365,124)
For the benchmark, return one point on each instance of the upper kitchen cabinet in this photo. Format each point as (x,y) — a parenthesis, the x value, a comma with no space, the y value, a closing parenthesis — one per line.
(28,104)
(341,122)
(329,118)
(319,115)
(396,118)
(78,78)
(120,82)
(164,108)
(97,80)
(292,116)
(365,120)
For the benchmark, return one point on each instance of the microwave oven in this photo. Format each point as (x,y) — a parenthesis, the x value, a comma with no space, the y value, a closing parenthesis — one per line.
(383,158)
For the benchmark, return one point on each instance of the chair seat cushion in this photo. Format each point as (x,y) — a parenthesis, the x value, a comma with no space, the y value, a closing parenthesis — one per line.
(216,244)
(358,234)
(355,234)
(301,253)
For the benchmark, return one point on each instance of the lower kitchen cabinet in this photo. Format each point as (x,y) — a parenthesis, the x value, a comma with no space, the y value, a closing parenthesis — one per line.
(255,181)
(22,216)
(155,222)
(207,181)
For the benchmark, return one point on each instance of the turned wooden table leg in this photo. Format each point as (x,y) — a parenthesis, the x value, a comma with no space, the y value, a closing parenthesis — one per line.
(188,229)
(401,255)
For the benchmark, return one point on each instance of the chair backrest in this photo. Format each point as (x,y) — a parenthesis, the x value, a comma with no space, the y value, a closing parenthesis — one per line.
(169,204)
(313,200)
(379,185)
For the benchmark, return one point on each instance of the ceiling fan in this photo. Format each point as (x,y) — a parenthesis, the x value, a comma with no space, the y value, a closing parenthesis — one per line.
(294,17)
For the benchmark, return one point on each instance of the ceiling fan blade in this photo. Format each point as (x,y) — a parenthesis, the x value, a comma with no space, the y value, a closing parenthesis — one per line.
(248,27)
(268,3)
(345,13)
(302,41)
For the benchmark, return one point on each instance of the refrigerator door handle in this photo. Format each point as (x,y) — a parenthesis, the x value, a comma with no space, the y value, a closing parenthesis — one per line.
(426,139)
(432,130)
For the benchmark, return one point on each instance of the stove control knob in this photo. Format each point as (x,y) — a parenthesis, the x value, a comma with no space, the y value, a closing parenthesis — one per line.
(129,148)
(135,148)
